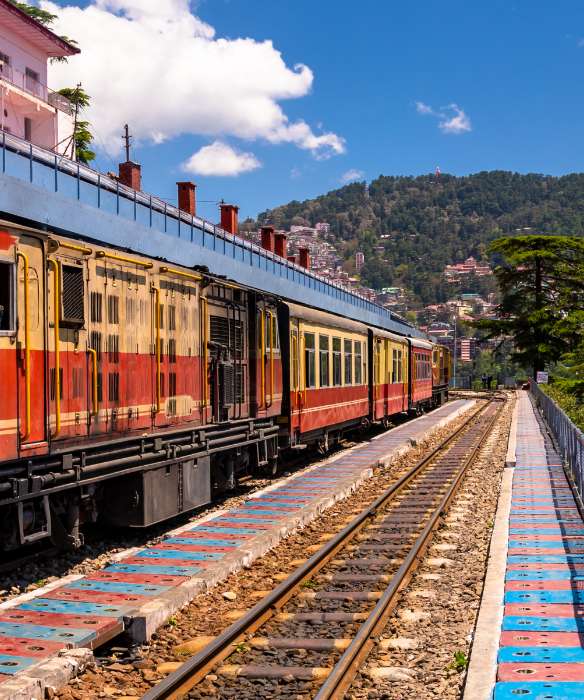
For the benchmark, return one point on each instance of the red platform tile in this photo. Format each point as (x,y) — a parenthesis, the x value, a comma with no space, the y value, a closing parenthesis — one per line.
(122,577)
(540,672)
(547,538)
(192,548)
(544,610)
(89,596)
(179,563)
(101,625)
(546,551)
(542,639)
(200,535)
(16,646)
(563,585)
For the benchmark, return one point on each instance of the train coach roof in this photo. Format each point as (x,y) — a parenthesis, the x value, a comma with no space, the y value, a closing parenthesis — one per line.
(390,336)
(323,318)
(417,343)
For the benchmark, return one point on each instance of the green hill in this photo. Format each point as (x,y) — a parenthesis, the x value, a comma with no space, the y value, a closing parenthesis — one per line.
(424,223)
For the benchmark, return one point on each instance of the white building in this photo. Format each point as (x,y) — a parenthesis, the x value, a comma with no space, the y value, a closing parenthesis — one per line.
(28,108)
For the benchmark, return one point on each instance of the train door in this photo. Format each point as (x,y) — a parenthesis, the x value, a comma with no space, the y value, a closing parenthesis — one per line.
(9,424)
(26,318)
(295,394)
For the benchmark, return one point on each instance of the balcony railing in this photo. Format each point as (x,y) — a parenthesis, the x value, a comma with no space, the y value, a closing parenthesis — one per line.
(32,86)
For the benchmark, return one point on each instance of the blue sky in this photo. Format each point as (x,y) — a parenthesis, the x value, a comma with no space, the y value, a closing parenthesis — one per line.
(513,69)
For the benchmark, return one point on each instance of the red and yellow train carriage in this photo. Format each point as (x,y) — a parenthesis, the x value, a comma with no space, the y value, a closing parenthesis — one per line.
(131,388)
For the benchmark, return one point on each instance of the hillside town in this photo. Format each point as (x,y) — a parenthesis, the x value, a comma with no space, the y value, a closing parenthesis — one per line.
(445,323)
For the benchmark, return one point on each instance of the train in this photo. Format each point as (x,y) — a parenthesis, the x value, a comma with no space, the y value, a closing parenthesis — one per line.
(135,390)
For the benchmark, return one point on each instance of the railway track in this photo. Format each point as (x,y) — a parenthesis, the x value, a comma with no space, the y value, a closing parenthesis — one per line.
(334,606)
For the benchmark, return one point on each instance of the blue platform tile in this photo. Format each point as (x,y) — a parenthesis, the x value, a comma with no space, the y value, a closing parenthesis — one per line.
(66,635)
(178,554)
(545,559)
(535,623)
(115,587)
(13,664)
(154,570)
(71,607)
(274,503)
(539,691)
(570,597)
(272,511)
(541,655)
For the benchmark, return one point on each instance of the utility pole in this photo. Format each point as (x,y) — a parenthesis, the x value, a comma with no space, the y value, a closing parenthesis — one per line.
(455,327)
(127,137)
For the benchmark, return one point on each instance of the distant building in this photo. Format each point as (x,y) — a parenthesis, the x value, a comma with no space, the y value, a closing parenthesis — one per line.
(359,260)
(468,267)
(323,228)
(28,108)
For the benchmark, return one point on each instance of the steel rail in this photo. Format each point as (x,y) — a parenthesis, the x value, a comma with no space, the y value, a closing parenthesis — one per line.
(179,682)
(352,659)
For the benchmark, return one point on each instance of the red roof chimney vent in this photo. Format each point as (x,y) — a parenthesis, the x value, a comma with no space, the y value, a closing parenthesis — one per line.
(130,175)
(187,197)
(280,244)
(304,257)
(229,221)
(268,238)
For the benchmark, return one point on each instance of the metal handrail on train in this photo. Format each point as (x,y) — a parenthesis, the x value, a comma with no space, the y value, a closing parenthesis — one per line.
(24,259)
(156,292)
(56,320)
(123,258)
(94,397)
(263,357)
(205,334)
(271,334)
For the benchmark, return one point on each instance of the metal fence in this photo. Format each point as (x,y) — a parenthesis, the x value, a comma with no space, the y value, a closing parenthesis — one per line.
(569,438)
(53,173)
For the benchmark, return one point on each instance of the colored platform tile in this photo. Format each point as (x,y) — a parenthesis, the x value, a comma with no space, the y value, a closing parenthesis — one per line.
(541,648)
(538,691)
(91,610)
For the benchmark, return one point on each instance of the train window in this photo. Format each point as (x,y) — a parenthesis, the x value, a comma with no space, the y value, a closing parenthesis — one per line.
(113,309)
(400,366)
(95,302)
(95,342)
(358,362)
(324,362)
(348,348)
(172,318)
(72,295)
(337,363)
(113,348)
(7,297)
(275,339)
(309,361)
(113,386)
(394,369)
(172,351)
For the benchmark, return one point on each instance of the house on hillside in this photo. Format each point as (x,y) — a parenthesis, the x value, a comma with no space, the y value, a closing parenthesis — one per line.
(28,108)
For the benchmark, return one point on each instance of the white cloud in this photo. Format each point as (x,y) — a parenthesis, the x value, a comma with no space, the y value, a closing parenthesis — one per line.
(451,119)
(458,123)
(352,175)
(158,67)
(423,108)
(220,159)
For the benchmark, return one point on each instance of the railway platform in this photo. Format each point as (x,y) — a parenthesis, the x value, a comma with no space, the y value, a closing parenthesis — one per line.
(46,636)
(529,641)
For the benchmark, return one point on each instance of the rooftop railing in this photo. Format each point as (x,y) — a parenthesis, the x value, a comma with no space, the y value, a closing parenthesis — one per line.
(28,83)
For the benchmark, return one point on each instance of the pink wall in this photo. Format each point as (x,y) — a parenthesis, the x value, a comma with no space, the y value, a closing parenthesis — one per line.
(23,55)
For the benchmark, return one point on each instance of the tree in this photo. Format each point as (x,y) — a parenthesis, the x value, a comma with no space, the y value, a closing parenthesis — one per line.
(82,136)
(541,279)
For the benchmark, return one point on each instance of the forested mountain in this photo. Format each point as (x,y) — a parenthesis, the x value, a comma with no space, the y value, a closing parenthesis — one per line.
(430,221)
